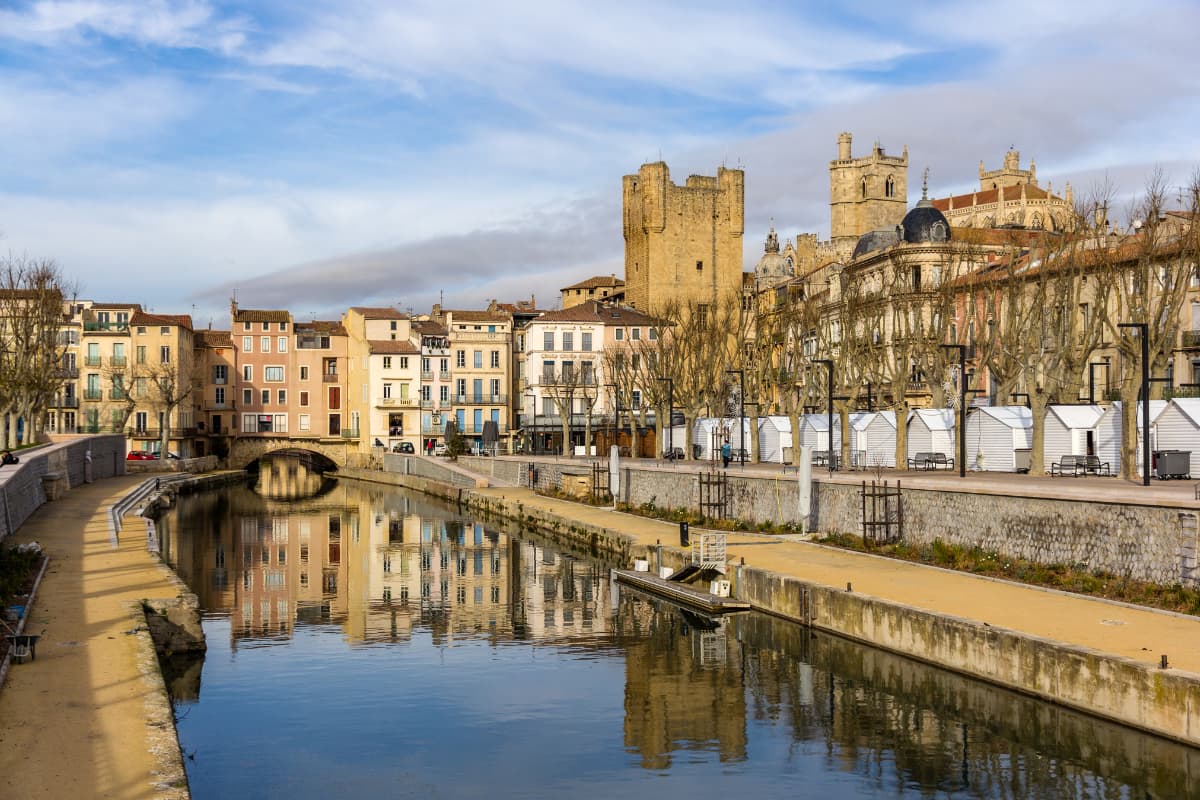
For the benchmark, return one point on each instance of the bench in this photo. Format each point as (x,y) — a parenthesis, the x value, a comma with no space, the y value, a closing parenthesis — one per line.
(930,460)
(1094,466)
(920,461)
(1073,465)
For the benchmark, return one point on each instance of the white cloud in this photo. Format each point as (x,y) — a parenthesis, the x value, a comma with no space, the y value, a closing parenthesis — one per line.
(165,23)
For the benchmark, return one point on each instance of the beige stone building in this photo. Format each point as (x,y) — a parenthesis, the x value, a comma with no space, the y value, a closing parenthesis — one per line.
(383,377)
(215,395)
(866,193)
(317,385)
(598,287)
(481,347)
(682,243)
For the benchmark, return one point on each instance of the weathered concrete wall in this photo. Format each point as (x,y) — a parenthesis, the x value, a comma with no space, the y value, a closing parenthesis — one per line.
(1165,702)
(23,486)
(200,464)
(437,470)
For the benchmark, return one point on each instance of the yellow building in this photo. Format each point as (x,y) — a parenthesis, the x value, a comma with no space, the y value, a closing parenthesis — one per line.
(598,287)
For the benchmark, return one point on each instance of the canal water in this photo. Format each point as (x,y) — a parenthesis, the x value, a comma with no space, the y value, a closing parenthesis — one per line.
(369,642)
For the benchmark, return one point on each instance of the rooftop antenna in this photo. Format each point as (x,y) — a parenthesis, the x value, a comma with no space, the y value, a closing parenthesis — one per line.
(925,184)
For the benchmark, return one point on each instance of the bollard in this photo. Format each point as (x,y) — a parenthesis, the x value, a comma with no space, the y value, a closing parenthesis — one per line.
(1163,662)
(683,534)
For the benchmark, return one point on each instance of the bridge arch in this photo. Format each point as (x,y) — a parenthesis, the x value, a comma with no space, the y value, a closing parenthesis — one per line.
(244,453)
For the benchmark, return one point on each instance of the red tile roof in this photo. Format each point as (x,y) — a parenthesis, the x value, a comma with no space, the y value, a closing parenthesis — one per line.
(390,347)
(1011,194)
(378,313)
(261,315)
(597,282)
(142,318)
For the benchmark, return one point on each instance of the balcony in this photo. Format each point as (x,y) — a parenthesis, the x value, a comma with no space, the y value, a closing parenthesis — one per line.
(68,402)
(396,402)
(468,428)
(67,372)
(329,377)
(349,433)
(91,361)
(1189,339)
(92,394)
(479,399)
(106,327)
(181,433)
(118,361)
(117,394)
(143,433)
(427,376)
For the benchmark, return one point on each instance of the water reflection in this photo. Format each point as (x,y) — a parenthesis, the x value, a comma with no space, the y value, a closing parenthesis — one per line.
(493,635)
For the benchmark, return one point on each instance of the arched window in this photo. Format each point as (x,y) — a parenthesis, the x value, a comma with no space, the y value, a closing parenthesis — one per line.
(864,187)
(889,188)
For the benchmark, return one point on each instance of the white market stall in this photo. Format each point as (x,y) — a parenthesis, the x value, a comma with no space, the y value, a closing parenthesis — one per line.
(873,436)
(994,434)
(931,430)
(709,433)
(775,440)
(1069,431)
(1178,428)
(814,431)
(1108,433)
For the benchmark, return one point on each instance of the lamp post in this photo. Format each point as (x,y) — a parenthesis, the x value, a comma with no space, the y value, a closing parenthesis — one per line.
(962,406)
(1143,331)
(1092,379)
(528,421)
(742,421)
(615,421)
(670,406)
(828,362)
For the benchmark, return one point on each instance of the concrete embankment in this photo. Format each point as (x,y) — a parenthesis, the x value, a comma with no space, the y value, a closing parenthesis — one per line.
(1092,655)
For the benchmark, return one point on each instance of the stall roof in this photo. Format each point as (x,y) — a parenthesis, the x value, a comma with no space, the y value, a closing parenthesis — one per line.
(1077,416)
(936,419)
(1012,416)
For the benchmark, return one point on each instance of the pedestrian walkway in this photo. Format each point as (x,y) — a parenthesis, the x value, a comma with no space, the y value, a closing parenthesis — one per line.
(1139,634)
(74,723)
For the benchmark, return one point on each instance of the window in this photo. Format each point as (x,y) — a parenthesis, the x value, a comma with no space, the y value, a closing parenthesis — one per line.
(303,400)
(266,396)
(283,326)
(281,397)
(249,421)
(478,359)
(636,334)
(247,397)
(247,372)
(220,396)
(266,326)
(445,365)
(273,374)
(460,358)
(335,397)
(247,343)
(586,341)
(304,372)
(460,388)
(387,391)
(282,343)
(387,362)
(164,354)
(889,187)
(586,373)
(916,279)
(426,393)
(220,373)
(305,422)
(568,339)
(699,265)
(653,334)
(246,325)
(444,393)
(164,331)
(547,372)
(141,330)
(619,334)
(403,362)
(393,324)
(141,354)
(495,359)
(548,340)
(495,387)
(636,398)
(264,343)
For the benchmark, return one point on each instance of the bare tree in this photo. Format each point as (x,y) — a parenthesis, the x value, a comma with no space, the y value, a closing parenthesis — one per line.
(171,387)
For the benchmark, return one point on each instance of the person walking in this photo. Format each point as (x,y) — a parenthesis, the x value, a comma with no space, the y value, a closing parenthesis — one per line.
(726,454)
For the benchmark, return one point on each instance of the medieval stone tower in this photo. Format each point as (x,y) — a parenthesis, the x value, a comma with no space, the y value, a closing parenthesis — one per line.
(865,193)
(682,243)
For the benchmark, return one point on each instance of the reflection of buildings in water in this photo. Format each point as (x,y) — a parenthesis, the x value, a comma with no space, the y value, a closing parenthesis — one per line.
(684,688)
(558,595)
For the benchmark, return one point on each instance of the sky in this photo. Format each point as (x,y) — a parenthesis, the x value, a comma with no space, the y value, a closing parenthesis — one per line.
(317,155)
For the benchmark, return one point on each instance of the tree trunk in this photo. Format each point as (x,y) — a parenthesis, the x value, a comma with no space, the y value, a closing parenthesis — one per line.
(901,407)
(1038,402)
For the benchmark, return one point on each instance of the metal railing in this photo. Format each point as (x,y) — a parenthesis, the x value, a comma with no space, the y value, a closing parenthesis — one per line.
(479,399)
(91,361)
(117,361)
(349,433)
(106,326)
(329,377)
(116,394)
(92,394)
(396,402)
(1189,338)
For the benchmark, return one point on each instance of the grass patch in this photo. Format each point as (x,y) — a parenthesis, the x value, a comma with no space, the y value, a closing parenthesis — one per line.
(17,573)
(1067,578)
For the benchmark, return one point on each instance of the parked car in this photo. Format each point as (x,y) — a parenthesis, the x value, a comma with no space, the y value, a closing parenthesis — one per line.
(141,455)
(404,447)
(439,449)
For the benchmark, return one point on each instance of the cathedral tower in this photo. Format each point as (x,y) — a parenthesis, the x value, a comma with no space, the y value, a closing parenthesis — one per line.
(865,193)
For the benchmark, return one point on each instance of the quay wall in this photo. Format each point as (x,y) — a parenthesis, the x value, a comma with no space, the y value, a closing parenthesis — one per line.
(1143,542)
(45,471)
(1164,702)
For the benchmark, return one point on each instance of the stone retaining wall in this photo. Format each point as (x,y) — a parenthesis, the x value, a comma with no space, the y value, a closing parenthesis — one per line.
(61,464)
(1150,543)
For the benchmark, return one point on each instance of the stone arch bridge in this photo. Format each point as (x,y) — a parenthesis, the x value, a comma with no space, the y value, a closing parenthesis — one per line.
(325,454)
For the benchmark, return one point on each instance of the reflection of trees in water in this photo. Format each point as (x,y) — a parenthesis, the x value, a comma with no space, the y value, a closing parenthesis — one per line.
(903,724)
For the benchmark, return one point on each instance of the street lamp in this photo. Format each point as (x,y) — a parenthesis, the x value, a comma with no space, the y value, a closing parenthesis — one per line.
(962,406)
(1143,331)
(615,406)
(742,421)
(670,410)
(828,362)
(1092,379)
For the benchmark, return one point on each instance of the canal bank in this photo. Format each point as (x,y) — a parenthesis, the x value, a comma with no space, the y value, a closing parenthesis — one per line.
(1093,655)
(90,716)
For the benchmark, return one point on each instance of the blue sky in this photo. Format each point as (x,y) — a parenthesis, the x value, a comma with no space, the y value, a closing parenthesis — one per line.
(318,155)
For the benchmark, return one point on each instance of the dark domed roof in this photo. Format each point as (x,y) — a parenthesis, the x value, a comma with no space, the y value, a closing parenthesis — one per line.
(924,223)
(874,240)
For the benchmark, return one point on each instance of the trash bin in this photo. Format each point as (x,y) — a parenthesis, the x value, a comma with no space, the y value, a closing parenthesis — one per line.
(1023,459)
(1172,464)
